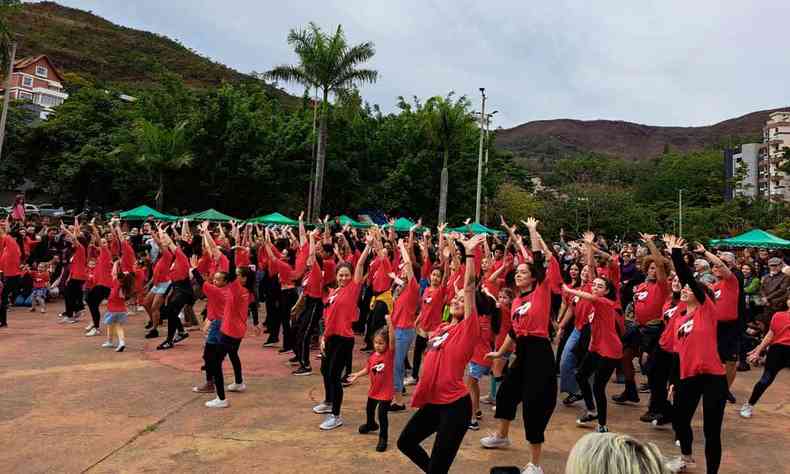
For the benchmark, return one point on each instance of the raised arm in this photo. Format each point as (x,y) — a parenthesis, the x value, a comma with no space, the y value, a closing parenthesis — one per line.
(675,245)
(713,258)
(359,271)
(302,232)
(469,275)
(661,272)
(407,261)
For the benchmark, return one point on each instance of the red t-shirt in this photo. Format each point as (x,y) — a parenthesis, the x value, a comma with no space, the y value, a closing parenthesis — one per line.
(222,264)
(216,298)
(263,258)
(127,257)
(242,257)
(780,326)
(649,298)
(103,270)
(531,312)
(180,269)
(484,343)
(379,271)
(90,282)
(234,318)
(432,307)
(380,368)
(79,265)
(582,308)
(696,342)
(604,321)
(11,256)
(449,350)
(727,292)
(505,324)
(313,280)
(162,267)
(341,310)
(40,279)
(672,314)
(404,311)
(329,268)
(116,303)
(29,244)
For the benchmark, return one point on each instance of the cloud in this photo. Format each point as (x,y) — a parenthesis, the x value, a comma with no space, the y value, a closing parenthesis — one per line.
(658,62)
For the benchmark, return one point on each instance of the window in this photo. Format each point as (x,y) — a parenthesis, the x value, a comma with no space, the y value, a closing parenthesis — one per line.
(27,81)
(41,71)
(22,95)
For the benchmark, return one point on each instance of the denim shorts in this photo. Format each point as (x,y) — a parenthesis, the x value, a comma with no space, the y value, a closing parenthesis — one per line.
(477,371)
(160,288)
(115,318)
(40,293)
(213,332)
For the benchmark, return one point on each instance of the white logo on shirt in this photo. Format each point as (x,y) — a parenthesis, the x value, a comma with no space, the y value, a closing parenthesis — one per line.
(378,367)
(591,316)
(522,310)
(670,312)
(437,341)
(331,299)
(576,300)
(428,300)
(642,295)
(686,328)
(717,294)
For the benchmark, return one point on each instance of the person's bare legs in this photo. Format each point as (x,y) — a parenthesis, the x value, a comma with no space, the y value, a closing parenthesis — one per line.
(536,450)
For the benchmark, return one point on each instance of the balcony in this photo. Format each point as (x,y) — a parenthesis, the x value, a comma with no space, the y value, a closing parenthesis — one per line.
(50,92)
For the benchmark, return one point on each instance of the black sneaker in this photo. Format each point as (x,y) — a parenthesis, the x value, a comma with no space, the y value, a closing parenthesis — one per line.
(294,360)
(648,417)
(730,397)
(165,346)
(586,418)
(744,367)
(152,334)
(572,398)
(601,429)
(382,445)
(479,415)
(644,388)
(366,428)
(284,350)
(180,337)
(626,397)
(474,425)
(303,371)
(396,407)
(149,325)
(661,420)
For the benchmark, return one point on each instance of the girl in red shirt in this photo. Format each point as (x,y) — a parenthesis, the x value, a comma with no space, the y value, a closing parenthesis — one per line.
(663,371)
(102,277)
(441,398)
(40,284)
(116,316)
(498,366)
(702,374)
(78,273)
(382,388)
(777,340)
(404,315)
(605,351)
(431,308)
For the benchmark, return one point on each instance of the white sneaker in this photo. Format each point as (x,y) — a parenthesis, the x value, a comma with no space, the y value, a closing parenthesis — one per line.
(217,403)
(677,443)
(532,469)
(108,344)
(331,422)
(140,309)
(680,464)
(43,310)
(322,408)
(89,327)
(409,381)
(73,320)
(746,410)
(494,441)
(92,332)
(237,387)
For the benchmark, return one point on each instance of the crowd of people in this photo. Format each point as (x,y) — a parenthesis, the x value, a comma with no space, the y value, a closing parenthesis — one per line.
(440,312)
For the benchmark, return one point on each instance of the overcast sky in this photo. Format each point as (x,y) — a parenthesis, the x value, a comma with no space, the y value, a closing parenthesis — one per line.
(668,62)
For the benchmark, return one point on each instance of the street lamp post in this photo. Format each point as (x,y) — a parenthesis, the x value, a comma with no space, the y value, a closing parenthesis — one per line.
(480,155)
(680,213)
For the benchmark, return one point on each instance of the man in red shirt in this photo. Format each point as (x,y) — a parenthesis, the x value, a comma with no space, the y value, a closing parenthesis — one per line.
(10,256)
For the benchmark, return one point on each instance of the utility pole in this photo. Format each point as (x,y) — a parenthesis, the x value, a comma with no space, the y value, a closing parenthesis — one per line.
(7,97)
(312,165)
(680,213)
(480,155)
(487,147)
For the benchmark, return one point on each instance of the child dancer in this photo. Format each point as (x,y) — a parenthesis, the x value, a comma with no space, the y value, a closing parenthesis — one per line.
(40,283)
(122,289)
(382,387)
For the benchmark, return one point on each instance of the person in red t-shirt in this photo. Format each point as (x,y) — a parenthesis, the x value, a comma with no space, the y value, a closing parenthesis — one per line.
(40,285)
(382,388)
(122,288)
(498,366)
(663,369)
(777,340)
(606,349)
(10,256)
(442,400)
(78,273)
(337,341)
(216,296)
(102,280)
(404,315)
(581,278)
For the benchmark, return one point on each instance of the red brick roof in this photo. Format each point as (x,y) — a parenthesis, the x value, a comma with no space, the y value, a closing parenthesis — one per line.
(25,62)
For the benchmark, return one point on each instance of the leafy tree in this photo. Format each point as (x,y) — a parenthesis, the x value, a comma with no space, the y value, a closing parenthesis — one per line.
(328,63)
(7,7)
(516,203)
(162,150)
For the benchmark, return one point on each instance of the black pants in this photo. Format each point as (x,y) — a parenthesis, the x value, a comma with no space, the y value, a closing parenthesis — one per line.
(713,391)
(660,375)
(337,351)
(603,368)
(449,422)
(308,322)
(227,346)
(364,308)
(778,359)
(96,295)
(532,381)
(383,423)
(73,297)
(270,288)
(209,353)
(420,344)
(10,287)
(177,301)
(377,319)
(282,317)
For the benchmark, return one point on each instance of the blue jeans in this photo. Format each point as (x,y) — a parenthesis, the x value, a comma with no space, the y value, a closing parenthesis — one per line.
(403,341)
(568,361)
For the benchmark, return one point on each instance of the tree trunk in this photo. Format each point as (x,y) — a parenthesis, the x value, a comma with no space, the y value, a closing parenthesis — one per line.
(320,159)
(443,190)
(160,193)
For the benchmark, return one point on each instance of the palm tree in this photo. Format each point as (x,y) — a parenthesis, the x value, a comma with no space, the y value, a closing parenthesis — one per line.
(162,150)
(329,64)
(445,121)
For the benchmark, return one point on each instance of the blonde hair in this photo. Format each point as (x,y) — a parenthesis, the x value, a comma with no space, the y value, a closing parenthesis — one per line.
(614,453)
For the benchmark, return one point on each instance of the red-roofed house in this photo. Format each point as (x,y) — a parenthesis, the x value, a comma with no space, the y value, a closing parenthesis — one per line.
(37,80)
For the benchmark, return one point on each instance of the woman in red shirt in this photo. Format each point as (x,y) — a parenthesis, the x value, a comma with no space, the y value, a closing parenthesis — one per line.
(605,351)
(701,370)
(78,273)
(777,340)
(122,288)
(431,308)
(103,281)
(664,368)
(443,403)
(10,257)
(231,332)
(337,341)
(404,315)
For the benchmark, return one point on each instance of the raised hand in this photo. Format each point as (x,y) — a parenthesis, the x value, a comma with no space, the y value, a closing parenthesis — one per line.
(699,248)
(588,237)
(646,237)
(531,223)
(471,243)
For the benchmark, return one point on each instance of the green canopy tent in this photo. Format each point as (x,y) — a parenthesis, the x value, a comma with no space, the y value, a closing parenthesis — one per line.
(475,228)
(401,225)
(344,220)
(141,213)
(212,215)
(753,238)
(275,218)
